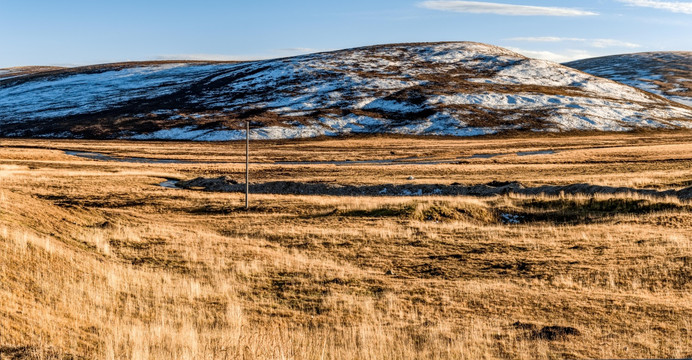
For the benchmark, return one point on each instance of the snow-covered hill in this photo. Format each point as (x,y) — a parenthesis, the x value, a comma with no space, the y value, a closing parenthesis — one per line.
(457,89)
(664,73)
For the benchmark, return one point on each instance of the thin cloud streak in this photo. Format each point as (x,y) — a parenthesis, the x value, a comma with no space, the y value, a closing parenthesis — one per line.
(475,7)
(566,56)
(606,43)
(597,43)
(674,6)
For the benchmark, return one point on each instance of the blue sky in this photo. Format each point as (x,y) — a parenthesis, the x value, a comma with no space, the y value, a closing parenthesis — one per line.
(71,32)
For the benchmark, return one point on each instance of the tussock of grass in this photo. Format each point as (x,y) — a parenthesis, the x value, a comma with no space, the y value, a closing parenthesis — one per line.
(584,209)
(566,209)
(427,210)
(611,205)
(395,211)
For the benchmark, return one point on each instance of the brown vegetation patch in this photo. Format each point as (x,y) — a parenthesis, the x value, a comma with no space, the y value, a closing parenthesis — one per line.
(426,211)
(589,209)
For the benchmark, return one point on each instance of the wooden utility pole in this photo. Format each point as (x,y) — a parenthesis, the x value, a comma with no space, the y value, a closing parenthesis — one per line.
(247,165)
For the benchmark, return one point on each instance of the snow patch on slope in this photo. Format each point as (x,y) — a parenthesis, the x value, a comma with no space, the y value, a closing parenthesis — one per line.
(545,73)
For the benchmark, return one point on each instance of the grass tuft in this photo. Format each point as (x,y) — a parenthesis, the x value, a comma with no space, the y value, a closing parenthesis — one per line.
(427,210)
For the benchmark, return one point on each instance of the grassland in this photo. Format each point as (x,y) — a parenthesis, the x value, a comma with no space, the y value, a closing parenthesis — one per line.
(98,261)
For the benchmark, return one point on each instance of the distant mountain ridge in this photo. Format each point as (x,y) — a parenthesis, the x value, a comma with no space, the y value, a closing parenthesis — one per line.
(668,74)
(456,89)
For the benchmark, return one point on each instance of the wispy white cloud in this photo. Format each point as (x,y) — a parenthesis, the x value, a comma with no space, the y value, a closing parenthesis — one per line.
(567,55)
(684,7)
(476,7)
(597,43)
(606,43)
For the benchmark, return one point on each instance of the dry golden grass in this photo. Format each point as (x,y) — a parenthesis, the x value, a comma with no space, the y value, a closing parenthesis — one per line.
(98,261)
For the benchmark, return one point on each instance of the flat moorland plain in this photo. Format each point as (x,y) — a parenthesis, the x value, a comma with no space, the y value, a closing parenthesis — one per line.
(99,261)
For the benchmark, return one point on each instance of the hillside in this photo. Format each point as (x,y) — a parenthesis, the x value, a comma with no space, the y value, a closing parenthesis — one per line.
(457,89)
(664,73)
